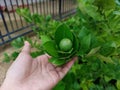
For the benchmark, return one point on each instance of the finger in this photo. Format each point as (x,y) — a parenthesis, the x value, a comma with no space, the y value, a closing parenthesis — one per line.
(66,67)
(43,58)
(48,56)
(25,52)
(26,47)
(23,62)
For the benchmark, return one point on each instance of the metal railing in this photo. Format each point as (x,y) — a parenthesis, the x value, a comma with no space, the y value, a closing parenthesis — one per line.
(13,26)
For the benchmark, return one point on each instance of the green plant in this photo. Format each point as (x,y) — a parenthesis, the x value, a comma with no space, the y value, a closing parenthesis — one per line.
(57,47)
(93,34)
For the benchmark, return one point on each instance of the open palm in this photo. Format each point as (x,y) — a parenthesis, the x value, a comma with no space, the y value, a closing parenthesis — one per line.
(35,74)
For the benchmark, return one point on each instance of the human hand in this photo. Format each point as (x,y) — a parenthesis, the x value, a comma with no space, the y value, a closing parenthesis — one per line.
(27,73)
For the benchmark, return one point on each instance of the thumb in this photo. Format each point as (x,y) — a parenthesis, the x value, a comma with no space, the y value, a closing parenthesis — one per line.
(67,67)
(26,47)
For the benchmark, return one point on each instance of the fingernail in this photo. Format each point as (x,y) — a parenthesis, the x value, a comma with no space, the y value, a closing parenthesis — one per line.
(26,43)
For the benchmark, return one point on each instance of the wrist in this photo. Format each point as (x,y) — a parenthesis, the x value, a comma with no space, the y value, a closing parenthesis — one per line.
(9,86)
(6,87)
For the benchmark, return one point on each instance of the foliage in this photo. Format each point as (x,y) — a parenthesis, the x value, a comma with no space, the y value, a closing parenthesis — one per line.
(94,33)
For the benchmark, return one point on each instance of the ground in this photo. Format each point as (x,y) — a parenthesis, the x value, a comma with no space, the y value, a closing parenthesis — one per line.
(4,66)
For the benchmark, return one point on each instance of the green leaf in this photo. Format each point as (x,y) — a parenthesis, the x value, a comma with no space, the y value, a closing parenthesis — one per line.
(95,66)
(51,48)
(44,39)
(63,52)
(117,2)
(63,31)
(60,86)
(118,84)
(56,61)
(14,55)
(105,59)
(87,8)
(24,12)
(107,48)
(76,86)
(18,43)
(105,4)
(75,43)
(110,87)
(85,43)
(93,51)
(95,42)
(107,79)
(83,32)
(36,53)
(70,77)
(37,19)
(92,11)
(48,18)
(6,58)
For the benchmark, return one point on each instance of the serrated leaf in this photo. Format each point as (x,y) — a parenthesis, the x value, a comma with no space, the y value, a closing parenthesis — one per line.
(24,12)
(14,55)
(6,58)
(36,18)
(18,43)
(57,61)
(63,31)
(51,48)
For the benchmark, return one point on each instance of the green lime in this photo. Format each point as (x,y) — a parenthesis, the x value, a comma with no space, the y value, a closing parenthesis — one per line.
(65,44)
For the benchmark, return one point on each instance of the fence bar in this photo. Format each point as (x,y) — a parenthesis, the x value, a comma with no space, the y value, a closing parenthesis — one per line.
(1,37)
(14,13)
(9,16)
(58,9)
(15,37)
(53,8)
(36,6)
(40,7)
(47,5)
(3,19)
(19,16)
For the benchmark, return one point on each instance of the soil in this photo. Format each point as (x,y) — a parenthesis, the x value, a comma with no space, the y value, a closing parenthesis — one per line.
(4,66)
